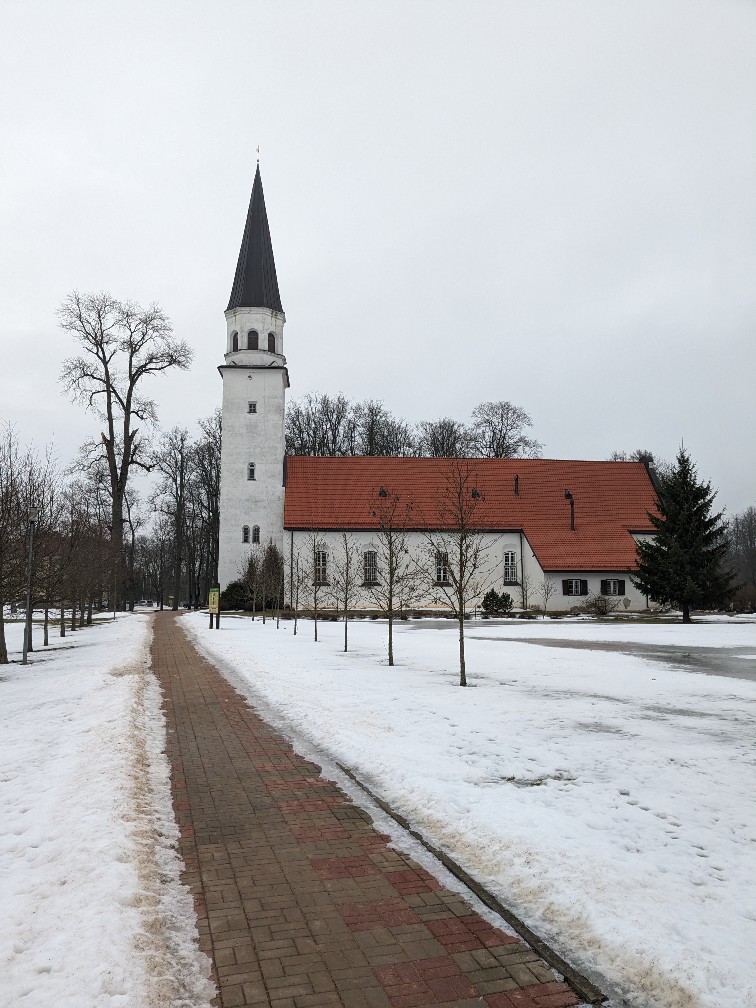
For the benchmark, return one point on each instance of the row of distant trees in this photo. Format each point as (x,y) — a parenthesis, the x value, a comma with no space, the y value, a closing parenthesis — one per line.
(335,425)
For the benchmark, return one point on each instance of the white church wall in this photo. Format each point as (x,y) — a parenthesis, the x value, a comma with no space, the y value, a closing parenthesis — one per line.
(492,573)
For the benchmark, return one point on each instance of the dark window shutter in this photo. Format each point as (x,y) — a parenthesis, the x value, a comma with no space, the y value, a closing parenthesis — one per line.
(564,587)
(583,587)
(621,590)
(604,586)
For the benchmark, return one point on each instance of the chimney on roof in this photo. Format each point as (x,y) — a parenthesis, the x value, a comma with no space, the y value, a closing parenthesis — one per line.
(571,499)
(517,486)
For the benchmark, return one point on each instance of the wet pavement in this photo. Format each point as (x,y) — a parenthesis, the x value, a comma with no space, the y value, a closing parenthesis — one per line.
(732,662)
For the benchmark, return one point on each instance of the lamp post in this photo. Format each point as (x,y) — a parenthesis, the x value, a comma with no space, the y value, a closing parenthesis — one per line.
(33,516)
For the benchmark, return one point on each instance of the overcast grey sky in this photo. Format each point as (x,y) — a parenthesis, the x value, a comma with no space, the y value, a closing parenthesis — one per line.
(548,202)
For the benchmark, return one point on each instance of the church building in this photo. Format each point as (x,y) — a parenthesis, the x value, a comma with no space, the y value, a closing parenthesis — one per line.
(570,525)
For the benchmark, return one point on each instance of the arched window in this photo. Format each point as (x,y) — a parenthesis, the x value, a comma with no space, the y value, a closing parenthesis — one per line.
(234,342)
(253,340)
(271,342)
(255,533)
(250,470)
(245,534)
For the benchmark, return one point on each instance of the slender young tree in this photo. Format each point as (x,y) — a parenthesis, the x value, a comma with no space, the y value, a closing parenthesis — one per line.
(685,563)
(122,345)
(346,577)
(460,551)
(392,576)
(299,578)
(546,589)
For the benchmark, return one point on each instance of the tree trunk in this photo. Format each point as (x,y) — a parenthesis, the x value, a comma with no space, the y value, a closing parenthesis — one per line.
(46,639)
(391,629)
(686,613)
(62,619)
(3,645)
(346,631)
(116,543)
(90,605)
(462,674)
(177,562)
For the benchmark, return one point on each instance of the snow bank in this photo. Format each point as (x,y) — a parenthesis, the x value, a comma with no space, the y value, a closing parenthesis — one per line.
(607,799)
(93,911)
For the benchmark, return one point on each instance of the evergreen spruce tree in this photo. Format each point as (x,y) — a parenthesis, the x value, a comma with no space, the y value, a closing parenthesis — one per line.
(684,564)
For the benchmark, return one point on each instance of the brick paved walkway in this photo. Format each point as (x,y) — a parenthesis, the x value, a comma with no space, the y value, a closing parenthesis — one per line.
(300,902)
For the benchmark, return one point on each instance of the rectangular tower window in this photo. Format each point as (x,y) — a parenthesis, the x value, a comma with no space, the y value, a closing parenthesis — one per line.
(252,407)
(250,470)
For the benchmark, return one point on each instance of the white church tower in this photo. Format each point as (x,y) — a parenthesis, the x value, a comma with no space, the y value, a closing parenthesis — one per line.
(255,380)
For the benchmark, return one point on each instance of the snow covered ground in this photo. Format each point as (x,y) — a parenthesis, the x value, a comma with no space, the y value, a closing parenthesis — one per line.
(607,798)
(93,913)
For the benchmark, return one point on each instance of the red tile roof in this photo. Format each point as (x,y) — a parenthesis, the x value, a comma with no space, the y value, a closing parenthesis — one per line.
(611,499)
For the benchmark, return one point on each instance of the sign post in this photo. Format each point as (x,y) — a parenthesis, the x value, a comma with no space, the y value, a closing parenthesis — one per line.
(213,605)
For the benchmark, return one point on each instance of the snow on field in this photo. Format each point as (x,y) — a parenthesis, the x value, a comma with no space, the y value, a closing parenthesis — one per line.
(606,798)
(93,913)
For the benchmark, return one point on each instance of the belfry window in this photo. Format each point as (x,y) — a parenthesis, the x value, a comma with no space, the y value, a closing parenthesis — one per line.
(250,470)
(271,342)
(255,533)
(234,342)
(251,407)
(245,534)
(253,340)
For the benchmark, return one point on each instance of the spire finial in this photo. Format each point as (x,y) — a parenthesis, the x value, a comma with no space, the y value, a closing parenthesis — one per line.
(258,153)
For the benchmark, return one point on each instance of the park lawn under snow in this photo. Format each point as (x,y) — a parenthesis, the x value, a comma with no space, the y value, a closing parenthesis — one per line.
(93,914)
(607,799)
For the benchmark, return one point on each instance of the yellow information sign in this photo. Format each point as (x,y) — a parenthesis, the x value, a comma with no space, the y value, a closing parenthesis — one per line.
(213,603)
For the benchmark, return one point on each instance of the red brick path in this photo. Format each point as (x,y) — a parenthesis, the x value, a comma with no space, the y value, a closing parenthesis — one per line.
(300,902)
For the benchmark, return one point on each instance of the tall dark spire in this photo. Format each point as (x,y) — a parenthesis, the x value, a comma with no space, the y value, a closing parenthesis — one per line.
(255,282)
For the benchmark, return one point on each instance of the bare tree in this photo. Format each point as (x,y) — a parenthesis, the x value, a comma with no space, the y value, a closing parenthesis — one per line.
(173,461)
(207,456)
(459,549)
(250,575)
(526,589)
(122,344)
(546,589)
(299,578)
(271,578)
(444,438)
(317,572)
(391,574)
(498,431)
(379,433)
(346,577)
